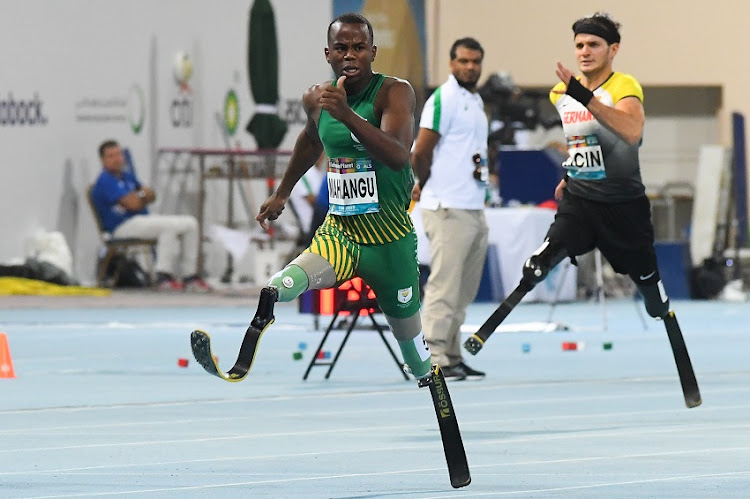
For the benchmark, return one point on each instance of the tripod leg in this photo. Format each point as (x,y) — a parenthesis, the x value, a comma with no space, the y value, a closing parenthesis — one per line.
(354,316)
(558,292)
(600,287)
(320,346)
(379,329)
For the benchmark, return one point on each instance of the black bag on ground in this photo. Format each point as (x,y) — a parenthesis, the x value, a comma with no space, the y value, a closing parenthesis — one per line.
(131,274)
(40,271)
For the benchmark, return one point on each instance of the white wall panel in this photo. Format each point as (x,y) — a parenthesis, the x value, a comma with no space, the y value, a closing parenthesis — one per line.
(91,62)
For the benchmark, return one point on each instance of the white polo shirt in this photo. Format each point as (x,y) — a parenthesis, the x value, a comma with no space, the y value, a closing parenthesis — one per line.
(458,116)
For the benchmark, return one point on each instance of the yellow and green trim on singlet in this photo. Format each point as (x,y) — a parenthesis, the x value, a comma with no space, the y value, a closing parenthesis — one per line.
(392,222)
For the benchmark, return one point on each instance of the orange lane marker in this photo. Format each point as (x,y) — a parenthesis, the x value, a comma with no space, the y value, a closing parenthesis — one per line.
(6,363)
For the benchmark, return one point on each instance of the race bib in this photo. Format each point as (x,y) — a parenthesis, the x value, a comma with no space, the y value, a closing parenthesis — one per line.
(585,158)
(352,187)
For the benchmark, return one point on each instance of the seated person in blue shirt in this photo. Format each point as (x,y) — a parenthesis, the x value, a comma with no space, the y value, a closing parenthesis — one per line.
(122,204)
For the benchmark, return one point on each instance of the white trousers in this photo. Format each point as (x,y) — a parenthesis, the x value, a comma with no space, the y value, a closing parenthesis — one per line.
(458,249)
(177,240)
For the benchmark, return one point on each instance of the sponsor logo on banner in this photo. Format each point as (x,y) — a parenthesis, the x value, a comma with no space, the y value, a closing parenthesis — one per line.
(181,106)
(183,69)
(136,109)
(129,108)
(16,111)
(231,112)
(294,112)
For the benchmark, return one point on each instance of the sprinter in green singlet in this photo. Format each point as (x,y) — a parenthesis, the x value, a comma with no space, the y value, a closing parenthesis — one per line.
(364,122)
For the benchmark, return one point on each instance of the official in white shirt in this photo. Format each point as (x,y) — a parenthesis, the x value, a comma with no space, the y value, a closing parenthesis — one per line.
(450,159)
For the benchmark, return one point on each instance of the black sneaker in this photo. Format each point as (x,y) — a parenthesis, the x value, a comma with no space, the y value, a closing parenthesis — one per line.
(454,373)
(469,372)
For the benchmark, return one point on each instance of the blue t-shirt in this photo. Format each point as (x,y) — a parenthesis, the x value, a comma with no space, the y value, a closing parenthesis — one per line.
(107,191)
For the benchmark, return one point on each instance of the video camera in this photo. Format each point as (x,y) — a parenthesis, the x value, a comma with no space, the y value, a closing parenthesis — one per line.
(512,108)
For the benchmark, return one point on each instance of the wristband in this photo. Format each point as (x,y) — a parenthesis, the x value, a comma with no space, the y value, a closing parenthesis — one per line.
(142,194)
(579,92)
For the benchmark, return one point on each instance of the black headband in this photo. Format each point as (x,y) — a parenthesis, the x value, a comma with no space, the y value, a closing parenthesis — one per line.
(592,27)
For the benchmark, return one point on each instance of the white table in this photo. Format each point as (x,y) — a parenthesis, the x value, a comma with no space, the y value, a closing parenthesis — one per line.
(516,234)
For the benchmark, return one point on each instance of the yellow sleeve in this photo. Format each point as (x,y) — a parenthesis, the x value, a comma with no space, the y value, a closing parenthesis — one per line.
(553,97)
(623,85)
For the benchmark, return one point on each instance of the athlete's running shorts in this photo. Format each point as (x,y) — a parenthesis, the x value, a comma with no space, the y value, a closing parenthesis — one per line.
(623,231)
(390,269)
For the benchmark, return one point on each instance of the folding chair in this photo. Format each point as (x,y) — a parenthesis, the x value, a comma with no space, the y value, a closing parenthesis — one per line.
(114,246)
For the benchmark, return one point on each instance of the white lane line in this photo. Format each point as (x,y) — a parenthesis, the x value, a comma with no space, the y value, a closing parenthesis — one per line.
(399,472)
(509,440)
(733,474)
(233,484)
(493,465)
(307,415)
(392,391)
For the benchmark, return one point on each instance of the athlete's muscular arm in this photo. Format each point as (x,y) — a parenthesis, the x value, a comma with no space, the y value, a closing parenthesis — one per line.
(306,152)
(421,157)
(389,144)
(625,120)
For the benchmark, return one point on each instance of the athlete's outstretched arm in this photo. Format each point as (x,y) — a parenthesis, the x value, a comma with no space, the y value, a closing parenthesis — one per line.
(391,143)
(306,152)
(625,120)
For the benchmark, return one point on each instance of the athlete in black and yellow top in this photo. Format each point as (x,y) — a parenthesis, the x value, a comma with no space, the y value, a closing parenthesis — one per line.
(364,122)
(602,201)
